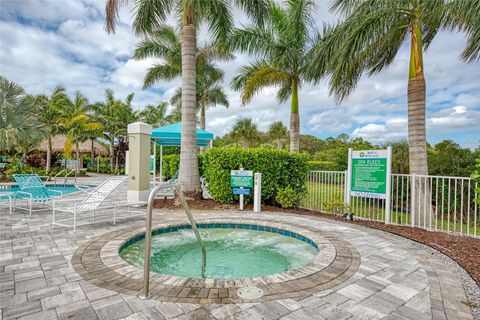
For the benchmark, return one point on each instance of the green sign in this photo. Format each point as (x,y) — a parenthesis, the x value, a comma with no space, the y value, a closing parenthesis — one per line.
(152,164)
(241,178)
(369,173)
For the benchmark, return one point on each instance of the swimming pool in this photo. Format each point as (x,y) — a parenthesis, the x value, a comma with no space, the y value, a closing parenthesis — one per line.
(65,188)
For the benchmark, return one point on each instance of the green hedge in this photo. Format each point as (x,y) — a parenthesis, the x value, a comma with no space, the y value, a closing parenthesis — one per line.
(323,165)
(170,165)
(280,169)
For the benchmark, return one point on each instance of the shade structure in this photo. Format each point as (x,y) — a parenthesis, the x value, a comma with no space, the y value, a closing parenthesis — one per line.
(171,135)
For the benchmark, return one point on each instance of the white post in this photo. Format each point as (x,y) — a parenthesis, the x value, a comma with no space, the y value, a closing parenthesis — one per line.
(139,163)
(154,163)
(349,177)
(161,163)
(126,162)
(241,198)
(257,193)
(389,185)
(412,198)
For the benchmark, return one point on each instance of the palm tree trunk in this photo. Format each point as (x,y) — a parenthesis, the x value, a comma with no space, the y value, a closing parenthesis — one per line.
(202,116)
(294,119)
(111,153)
(202,122)
(92,152)
(77,152)
(188,178)
(49,154)
(416,126)
(417,140)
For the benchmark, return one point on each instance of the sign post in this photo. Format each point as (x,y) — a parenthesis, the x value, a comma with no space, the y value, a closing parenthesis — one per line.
(241,181)
(369,176)
(257,193)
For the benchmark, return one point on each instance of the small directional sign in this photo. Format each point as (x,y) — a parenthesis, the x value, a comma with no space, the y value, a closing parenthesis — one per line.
(241,190)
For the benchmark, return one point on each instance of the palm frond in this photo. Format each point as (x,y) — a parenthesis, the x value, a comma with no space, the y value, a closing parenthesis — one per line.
(257,75)
(160,72)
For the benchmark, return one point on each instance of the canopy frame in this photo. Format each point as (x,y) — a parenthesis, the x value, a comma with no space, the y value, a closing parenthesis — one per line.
(171,135)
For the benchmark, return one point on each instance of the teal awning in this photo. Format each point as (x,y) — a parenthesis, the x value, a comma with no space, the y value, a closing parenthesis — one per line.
(170,135)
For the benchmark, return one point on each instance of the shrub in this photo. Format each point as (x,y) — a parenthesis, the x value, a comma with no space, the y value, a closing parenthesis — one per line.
(170,165)
(280,169)
(323,165)
(288,198)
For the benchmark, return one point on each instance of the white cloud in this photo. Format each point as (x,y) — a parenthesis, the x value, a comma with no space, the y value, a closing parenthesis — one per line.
(63,41)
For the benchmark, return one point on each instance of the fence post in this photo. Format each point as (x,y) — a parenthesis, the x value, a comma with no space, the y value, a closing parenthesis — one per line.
(388,186)
(348,177)
(412,198)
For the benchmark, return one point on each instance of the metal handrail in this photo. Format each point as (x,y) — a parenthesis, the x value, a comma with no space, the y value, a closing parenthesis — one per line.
(148,233)
(58,174)
(67,174)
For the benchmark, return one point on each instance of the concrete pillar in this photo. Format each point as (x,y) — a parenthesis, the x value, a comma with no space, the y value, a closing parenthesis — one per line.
(139,134)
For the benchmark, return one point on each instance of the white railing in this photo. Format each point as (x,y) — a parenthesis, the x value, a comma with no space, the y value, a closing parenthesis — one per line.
(437,203)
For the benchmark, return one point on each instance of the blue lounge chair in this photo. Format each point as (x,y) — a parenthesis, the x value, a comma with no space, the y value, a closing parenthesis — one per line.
(33,191)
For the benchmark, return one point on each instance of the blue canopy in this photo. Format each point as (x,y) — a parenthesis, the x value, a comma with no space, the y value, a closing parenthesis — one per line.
(170,135)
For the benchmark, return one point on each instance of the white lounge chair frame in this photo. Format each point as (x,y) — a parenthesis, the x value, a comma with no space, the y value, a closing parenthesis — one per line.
(93,206)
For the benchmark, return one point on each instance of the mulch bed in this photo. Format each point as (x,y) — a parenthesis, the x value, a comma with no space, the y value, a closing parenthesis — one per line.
(464,250)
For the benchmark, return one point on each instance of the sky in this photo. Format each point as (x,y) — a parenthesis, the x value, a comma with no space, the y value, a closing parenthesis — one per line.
(44,43)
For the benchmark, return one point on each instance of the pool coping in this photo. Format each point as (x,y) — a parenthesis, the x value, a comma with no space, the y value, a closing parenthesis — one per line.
(99,263)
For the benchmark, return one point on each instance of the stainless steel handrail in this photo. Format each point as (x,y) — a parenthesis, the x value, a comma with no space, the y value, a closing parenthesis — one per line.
(55,177)
(68,174)
(148,233)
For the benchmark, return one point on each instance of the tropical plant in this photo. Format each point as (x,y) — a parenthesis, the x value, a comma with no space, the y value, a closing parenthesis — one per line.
(280,169)
(76,122)
(114,115)
(277,132)
(155,116)
(150,16)
(49,107)
(368,41)
(283,46)
(165,44)
(246,131)
(20,128)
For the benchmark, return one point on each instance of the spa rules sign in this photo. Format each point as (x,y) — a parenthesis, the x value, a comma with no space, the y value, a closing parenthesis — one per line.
(369,173)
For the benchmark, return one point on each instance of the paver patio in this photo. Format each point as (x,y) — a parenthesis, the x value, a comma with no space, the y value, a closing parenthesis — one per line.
(395,278)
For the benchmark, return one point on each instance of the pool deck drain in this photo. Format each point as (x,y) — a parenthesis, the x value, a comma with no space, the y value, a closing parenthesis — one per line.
(250,293)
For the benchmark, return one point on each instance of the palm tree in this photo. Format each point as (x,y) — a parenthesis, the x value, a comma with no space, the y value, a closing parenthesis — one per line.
(246,131)
(277,132)
(209,94)
(150,16)
(19,125)
(154,115)
(49,106)
(114,115)
(76,121)
(283,46)
(165,44)
(368,40)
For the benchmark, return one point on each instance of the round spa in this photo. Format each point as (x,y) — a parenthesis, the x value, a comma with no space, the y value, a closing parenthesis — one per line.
(234,251)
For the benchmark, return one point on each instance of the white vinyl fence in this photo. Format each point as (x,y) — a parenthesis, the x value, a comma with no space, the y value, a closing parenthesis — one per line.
(436,203)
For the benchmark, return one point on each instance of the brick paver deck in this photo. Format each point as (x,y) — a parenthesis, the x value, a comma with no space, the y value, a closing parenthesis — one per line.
(379,276)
